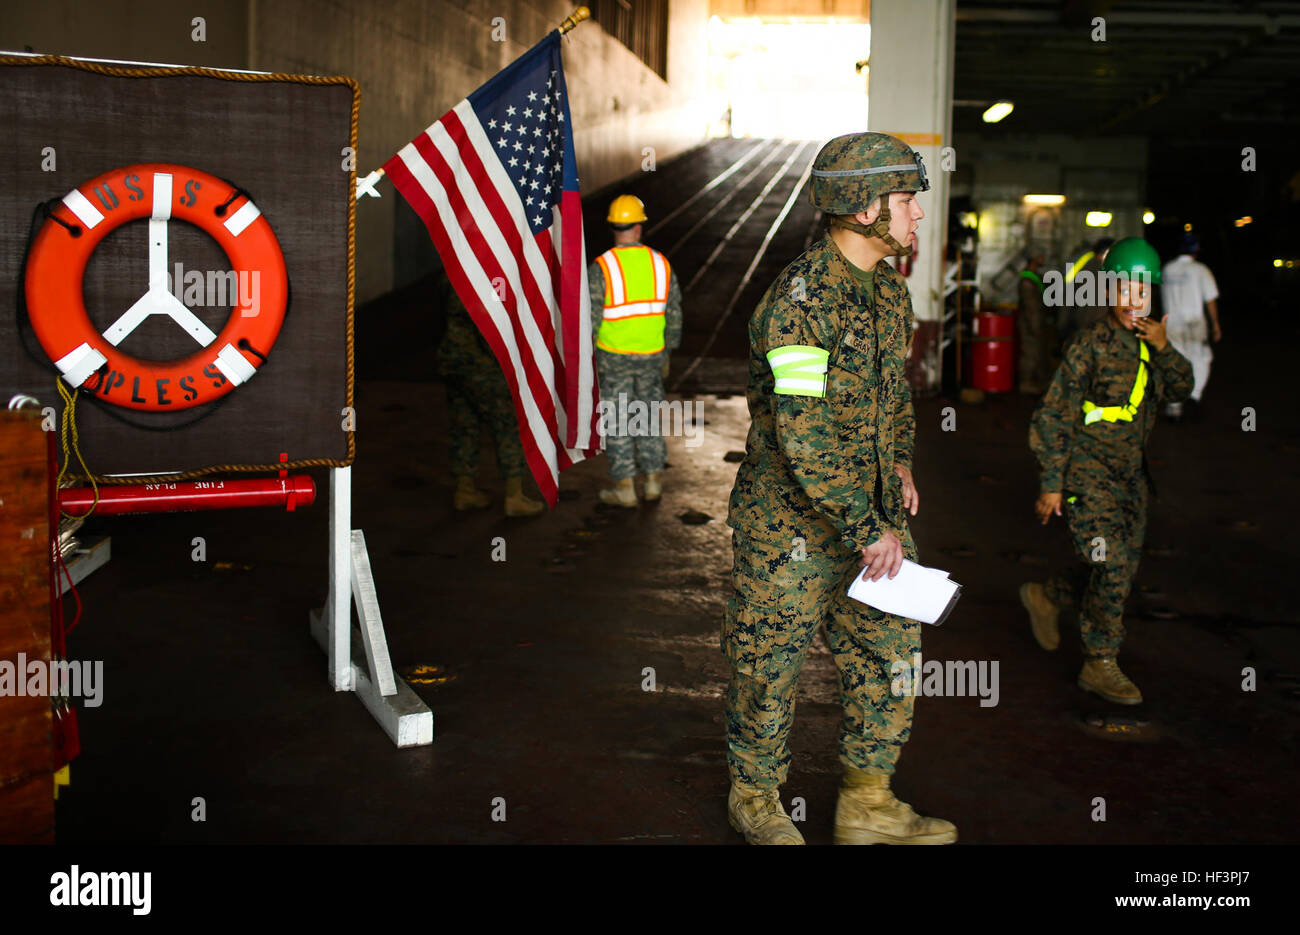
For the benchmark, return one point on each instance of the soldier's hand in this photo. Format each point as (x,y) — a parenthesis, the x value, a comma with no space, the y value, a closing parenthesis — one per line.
(1153,332)
(663,371)
(885,555)
(1216,334)
(911,499)
(1047,504)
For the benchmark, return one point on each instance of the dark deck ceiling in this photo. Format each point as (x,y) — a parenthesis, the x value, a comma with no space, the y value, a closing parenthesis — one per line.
(1168,70)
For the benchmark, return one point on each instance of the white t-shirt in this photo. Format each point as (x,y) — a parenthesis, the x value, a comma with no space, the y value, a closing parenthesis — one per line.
(1188,285)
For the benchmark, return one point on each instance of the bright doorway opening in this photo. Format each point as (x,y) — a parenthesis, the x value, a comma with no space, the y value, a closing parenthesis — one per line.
(796,80)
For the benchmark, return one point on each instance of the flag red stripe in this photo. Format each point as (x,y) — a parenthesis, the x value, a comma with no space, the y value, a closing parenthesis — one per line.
(570,305)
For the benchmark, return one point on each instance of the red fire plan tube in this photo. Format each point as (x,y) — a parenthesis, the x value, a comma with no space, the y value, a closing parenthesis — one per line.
(184,496)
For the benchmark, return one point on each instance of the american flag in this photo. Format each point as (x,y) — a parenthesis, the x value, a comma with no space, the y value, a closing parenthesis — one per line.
(496,183)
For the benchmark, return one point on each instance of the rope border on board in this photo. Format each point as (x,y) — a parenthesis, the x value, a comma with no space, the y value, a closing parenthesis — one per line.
(204,72)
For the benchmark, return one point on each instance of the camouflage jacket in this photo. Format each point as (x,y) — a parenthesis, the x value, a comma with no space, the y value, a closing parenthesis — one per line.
(822,468)
(1101,366)
(673,315)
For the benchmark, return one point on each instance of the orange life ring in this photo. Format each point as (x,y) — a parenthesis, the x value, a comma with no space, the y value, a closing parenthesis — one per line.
(158,192)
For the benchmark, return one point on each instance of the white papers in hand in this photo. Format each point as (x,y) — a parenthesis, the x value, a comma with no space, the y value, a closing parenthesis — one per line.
(917,592)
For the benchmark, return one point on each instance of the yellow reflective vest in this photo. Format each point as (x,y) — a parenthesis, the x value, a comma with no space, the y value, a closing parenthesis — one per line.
(1094,413)
(636,300)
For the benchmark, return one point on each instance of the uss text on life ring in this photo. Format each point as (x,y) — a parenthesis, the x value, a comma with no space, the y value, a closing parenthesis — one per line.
(56,266)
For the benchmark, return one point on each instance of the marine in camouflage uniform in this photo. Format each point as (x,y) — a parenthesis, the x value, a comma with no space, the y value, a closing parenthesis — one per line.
(1088,435)
(478,396)
(832,420)
(1035,333)
(637,378)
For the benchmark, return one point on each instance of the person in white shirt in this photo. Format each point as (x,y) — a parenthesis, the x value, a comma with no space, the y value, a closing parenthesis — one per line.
(1189,292)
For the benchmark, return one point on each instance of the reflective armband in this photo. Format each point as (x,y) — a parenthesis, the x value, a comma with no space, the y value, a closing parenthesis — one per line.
(799,370)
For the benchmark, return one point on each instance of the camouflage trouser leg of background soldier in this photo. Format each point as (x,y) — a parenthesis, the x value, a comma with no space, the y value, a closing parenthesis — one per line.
(1115,514)
(1032,364)
(776,608)
(637,379)
(475,400)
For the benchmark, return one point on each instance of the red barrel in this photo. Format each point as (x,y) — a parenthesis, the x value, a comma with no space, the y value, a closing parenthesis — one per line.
(993,353)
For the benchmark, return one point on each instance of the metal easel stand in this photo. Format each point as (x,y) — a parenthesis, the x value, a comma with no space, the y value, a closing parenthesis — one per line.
(401,713)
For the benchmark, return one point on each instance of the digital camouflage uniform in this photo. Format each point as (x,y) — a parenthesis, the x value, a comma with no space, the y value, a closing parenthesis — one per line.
(638,376)
(477,394)
(820,470)
(1036,335)
(1100,470)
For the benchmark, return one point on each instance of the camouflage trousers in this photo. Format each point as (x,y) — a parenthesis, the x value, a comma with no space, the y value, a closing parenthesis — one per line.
(629,385)
(1037,339)
(777,606)
(475,399)
(1107,526)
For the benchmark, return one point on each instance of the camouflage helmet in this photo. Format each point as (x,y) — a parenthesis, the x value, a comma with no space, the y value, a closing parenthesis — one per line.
(852,171)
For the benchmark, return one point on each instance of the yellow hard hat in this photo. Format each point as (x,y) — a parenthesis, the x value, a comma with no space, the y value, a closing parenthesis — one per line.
(626,209)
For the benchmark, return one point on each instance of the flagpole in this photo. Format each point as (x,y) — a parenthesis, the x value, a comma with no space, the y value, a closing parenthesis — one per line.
(366,186)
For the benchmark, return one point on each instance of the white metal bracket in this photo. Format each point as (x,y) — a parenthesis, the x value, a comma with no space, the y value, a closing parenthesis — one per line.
(399,710)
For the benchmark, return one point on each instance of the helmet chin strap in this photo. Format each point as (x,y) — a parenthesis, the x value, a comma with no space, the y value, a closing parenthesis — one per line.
(878,228)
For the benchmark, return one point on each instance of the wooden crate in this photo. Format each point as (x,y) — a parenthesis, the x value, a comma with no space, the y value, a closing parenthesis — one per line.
(26,744)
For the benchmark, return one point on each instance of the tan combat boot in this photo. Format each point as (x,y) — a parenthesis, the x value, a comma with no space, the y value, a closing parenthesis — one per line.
(1042,615)
(758,815)
(1102,677)
(869,813)
(517,504)
(653,486)
(469,497)
(623,493)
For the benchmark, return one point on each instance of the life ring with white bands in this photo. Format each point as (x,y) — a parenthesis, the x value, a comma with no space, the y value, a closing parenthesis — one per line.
(56,266)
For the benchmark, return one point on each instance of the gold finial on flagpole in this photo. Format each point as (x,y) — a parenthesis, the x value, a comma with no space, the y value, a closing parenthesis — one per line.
(574,18)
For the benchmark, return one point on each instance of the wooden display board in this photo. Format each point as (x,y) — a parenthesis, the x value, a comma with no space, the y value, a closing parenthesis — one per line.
(285,143)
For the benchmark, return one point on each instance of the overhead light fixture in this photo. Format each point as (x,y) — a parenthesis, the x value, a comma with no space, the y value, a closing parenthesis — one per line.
(1187,228)
(1097,219)
(1242,222)
(1277,264)
(998,111)
(1054,201)
(969,219)
(1148,216)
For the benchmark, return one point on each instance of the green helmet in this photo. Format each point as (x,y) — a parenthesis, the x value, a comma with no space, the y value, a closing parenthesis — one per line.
(852,171)
(1133,257)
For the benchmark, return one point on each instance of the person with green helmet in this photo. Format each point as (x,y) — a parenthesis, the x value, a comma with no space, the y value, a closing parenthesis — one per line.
(1089,434)
(824,489)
